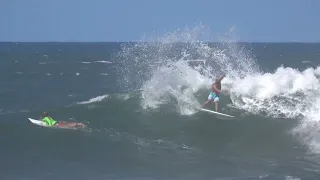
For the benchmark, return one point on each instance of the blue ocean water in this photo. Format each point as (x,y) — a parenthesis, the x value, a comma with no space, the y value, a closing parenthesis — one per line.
(139,101)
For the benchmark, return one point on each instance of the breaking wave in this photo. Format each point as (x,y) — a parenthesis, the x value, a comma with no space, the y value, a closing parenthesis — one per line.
(178,69)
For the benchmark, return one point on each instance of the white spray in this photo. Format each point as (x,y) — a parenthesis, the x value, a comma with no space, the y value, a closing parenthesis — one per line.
(170,79)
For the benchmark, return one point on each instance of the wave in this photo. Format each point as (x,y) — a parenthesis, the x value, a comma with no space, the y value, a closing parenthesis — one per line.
(286,93)
(177,70)
(177,66)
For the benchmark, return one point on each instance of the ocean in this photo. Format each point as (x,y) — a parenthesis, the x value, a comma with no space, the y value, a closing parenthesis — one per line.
(139,101)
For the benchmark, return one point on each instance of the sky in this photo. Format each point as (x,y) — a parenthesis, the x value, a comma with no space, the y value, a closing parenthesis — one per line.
(130,20)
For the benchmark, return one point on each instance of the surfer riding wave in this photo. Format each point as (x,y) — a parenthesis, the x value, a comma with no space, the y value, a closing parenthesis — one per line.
(215,92)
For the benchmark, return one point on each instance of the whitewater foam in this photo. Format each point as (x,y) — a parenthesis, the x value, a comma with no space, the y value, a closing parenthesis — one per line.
(178,81)
(309,128)
(173,68)
(171,72)
(284,93)
(121,97)
(104,62)
(95,99)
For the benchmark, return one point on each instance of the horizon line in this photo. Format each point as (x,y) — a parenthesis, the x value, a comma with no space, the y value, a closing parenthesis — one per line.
(157,41)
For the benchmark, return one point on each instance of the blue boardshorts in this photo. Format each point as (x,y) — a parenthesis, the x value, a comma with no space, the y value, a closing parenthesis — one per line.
(213,97)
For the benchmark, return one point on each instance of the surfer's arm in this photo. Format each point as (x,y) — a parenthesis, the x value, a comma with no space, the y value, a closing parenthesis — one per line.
(215,89)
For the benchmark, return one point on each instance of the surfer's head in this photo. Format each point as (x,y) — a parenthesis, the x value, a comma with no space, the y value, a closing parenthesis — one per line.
(218,81)
(45,114)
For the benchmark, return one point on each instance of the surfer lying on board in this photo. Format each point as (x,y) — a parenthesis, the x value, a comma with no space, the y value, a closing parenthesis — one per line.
(215,92)
(51,122)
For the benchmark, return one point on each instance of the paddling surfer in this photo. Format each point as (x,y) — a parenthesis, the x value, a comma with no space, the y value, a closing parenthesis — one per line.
(51,122)
(48,120)
(215,92)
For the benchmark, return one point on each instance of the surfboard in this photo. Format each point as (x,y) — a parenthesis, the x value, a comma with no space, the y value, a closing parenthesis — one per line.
(217,114)
(37,122)
(43,124)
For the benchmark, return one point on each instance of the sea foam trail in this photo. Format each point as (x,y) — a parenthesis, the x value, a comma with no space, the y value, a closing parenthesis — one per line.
(121,97)
(95,99)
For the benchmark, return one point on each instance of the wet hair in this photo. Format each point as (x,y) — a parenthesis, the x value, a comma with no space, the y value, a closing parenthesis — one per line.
(217,81)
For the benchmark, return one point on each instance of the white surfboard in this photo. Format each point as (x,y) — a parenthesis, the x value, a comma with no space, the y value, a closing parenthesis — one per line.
(38,122)
(41,123)
(217,114)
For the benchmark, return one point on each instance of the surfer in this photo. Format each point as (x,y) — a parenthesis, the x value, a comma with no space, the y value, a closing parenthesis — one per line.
(51,122)
(215,92)
(48,120)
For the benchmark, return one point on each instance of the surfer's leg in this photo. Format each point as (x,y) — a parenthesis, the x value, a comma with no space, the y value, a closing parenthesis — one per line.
(59,124)
(75,124)
(69,124)
(216,106)
(216,101)
(205,103)
(62,123)
(210,99)
(81,124)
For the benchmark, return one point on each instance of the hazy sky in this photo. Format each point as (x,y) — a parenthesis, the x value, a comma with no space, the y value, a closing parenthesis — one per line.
(126,20)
